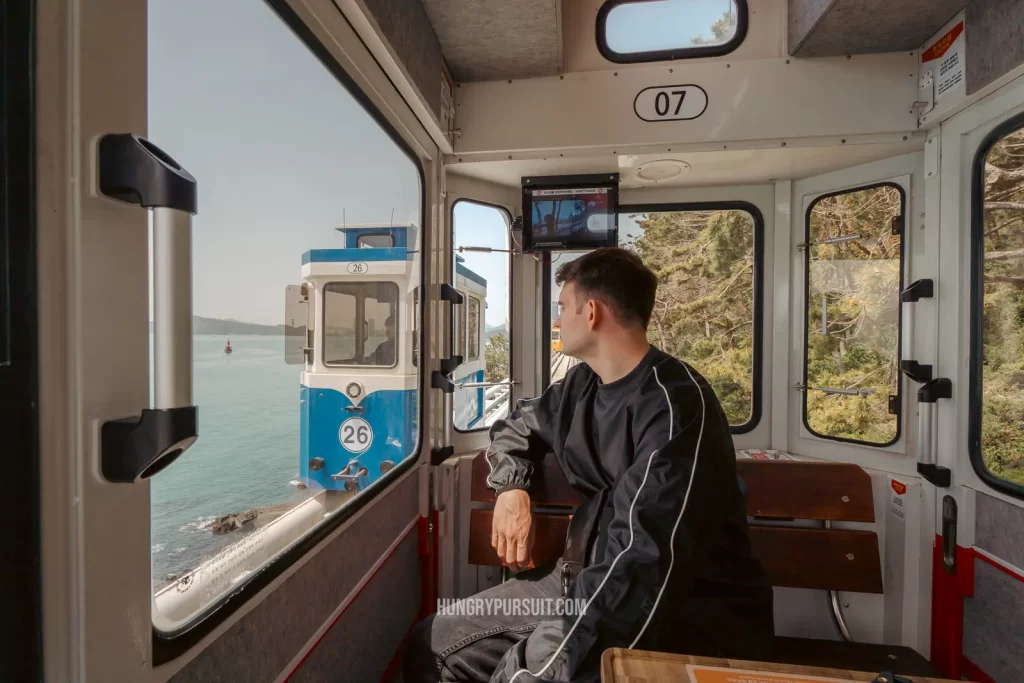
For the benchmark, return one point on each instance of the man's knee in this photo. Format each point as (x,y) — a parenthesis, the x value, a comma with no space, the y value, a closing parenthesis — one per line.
(419,661)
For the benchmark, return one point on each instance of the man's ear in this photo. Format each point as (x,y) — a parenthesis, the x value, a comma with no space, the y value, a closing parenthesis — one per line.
(593,314)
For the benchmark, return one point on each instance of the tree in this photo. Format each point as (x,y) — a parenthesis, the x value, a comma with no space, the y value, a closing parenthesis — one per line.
(496,356)
(1002,367)
(722,29)
(703,311)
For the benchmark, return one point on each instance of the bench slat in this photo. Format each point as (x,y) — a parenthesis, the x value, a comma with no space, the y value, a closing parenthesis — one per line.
(777,489)
(790,489)
(796,558)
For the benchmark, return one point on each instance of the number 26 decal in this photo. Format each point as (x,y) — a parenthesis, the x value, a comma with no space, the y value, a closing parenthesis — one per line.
(670,103)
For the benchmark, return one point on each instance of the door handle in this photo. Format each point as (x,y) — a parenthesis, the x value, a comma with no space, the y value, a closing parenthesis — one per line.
(135,171)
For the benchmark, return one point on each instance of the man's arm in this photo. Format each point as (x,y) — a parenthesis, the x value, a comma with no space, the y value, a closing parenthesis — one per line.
(667,508)
(517,443)
(523,438)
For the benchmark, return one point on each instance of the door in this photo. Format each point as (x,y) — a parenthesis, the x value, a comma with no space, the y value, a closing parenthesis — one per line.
(289,129)
(858,242)
(492,332)
(979,583)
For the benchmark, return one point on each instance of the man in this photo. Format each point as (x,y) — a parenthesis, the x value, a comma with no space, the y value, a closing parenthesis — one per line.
(384,354)
(658,550)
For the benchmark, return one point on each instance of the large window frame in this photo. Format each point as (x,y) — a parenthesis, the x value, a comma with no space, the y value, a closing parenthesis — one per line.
(977,303)
(395,309)
(757,361)
(899,326)
(169,645)
(691,52)
(461,314)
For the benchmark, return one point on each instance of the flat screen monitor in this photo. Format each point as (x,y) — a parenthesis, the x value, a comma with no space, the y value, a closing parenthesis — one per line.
(570,216)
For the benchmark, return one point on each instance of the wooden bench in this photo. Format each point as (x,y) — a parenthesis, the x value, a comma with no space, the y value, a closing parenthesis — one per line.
(793,557)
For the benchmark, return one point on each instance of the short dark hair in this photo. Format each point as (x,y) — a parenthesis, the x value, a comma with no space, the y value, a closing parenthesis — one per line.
(616,277)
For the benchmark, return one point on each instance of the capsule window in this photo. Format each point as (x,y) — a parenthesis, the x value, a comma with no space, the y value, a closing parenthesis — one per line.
(658,30)
(997,358)
(483,321)
(853,247)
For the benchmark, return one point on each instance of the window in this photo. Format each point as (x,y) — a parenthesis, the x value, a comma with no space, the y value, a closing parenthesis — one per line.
(707,310)
(483,277)
(253,85)
(560,364)
(851,388)
(375,241)
(360,323)
(997,339)
(658,30)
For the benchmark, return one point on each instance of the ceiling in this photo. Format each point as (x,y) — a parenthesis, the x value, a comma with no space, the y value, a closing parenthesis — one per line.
(832,28)
(696,169)
(489,40)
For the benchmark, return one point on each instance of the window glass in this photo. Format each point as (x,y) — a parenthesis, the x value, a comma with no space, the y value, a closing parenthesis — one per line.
(482,276)
(852,377)
(281,152)
(560,363)
(360,323)
(998,378)
(705,311)
(666,29)
(373,241)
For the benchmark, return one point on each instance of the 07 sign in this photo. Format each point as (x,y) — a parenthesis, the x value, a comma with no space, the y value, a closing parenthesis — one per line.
(670,103)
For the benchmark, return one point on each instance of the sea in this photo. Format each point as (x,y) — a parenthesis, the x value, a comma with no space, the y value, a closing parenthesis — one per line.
(246,456)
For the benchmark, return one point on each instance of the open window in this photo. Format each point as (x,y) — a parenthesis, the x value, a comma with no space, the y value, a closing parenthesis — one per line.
(997,311)
(708,309)
(853,257)
(659,30)
(483,322)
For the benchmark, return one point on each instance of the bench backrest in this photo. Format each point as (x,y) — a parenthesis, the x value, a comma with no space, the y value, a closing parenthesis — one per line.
(776,490)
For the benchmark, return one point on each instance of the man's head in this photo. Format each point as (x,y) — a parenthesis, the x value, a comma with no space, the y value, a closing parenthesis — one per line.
(389,328)
(607,292)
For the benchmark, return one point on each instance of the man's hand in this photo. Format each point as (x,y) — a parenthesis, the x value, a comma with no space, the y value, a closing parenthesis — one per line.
(512,529)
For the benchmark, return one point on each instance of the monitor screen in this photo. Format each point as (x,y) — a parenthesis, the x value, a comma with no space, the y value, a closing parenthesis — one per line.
(570,218)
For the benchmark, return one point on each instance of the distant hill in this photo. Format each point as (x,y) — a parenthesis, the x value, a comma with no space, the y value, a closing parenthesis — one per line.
(494,331)
(201,325)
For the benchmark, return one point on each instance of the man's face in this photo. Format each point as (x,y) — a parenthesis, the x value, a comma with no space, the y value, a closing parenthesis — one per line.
(575,327)
(389,330)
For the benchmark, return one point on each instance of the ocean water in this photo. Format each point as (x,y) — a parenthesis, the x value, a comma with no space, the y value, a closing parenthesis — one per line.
(245,457)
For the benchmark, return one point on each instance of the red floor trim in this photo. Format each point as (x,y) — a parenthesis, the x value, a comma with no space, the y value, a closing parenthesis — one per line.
(354,598)
(973,673)
(999,566)
(948,593)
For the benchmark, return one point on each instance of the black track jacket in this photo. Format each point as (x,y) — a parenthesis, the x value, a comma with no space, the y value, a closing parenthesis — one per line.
(662,533)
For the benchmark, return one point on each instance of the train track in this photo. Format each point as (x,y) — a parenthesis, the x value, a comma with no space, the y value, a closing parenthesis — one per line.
(560,365)
(496,406)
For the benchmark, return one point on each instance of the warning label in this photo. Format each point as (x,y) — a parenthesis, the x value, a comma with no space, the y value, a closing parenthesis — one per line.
(898,491)
(945,58)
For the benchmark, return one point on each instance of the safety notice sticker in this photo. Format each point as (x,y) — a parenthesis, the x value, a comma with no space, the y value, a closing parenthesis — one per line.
(945,58)
(899,489)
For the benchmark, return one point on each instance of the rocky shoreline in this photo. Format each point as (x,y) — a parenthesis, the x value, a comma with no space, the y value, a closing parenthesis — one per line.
(247,518)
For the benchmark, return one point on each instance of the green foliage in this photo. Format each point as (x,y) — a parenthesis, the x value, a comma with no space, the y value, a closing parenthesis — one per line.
(704,310)
(1002,371)
(853,315)
(496,357)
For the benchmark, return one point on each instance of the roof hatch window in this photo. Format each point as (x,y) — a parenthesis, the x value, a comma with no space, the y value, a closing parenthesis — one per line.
(658,30)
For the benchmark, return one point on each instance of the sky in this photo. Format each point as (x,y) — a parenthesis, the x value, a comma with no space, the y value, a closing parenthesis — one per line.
(283,153)
(662,25)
